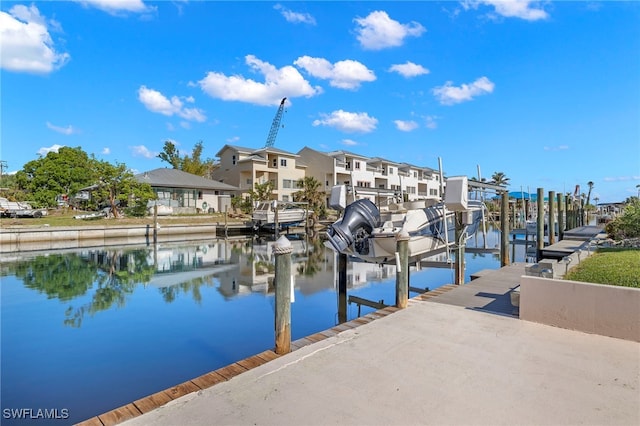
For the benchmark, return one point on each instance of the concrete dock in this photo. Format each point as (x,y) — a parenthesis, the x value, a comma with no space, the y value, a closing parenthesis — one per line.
(430,363)
(435,362)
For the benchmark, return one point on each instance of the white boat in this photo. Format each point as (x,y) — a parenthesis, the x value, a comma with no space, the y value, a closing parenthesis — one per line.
(367,233)
(266,214)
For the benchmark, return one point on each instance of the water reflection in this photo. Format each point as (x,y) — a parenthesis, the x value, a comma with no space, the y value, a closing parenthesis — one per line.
(118,323)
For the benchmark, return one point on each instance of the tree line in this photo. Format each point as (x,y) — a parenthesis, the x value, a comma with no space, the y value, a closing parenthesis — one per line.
(65,173)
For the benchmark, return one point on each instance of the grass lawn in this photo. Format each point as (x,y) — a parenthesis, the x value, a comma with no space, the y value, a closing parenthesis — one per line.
(65,218)
(613,266)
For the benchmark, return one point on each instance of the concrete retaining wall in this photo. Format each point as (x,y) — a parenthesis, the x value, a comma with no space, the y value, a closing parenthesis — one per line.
(29,239)
(592,308)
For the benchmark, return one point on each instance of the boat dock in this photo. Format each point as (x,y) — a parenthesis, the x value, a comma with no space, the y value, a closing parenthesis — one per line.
(574,240)
(455,355)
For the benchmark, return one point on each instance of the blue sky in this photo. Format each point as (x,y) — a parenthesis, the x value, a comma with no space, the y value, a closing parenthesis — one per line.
(546,92)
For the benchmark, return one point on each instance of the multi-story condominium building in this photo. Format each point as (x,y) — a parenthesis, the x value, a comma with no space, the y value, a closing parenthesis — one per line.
(245,167)
(380,180)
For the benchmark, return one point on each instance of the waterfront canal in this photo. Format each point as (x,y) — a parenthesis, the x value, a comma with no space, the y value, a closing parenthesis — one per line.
(87,331)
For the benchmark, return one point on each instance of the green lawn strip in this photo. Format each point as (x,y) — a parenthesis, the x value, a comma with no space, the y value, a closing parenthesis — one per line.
(612,266)
(68,220)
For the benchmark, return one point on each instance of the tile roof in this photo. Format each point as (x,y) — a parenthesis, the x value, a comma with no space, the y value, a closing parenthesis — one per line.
(178,179)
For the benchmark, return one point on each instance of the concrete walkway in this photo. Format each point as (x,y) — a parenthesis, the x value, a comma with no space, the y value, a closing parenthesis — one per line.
(430,363)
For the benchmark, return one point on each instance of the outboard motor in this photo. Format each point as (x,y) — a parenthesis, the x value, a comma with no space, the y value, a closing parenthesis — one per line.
(359,219)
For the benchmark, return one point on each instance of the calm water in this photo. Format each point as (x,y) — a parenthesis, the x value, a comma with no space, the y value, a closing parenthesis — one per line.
(87,331)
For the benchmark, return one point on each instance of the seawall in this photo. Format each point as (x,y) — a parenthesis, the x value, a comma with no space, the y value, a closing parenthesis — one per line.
(65,237)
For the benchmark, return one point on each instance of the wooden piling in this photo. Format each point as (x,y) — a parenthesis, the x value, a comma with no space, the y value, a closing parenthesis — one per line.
(282,250)
(540,223)
(459,263)
(561,217)
(402,270)
(552,217)
(504,230)
(342,288)
(155,223)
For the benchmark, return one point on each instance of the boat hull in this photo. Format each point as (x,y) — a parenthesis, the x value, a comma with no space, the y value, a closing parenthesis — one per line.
(429,234)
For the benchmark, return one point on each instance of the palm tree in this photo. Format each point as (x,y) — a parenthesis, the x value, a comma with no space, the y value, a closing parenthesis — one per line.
(590,185)
(499,178)
(310,193)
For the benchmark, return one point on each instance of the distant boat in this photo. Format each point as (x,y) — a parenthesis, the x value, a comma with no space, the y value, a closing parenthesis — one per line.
(288,214)
(91,216)
(164,210)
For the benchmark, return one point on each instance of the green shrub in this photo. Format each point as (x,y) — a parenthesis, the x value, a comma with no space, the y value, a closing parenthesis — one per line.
(627,225)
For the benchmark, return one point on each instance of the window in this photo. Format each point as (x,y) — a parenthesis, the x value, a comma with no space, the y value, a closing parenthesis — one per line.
(357,165)
(275,162)
(348,165)
(415,175)
(233,160)
(433,191)
(283,162)
(199,195)
(390,170)
(363,184)
(249,181)
(286,183)
(285,198)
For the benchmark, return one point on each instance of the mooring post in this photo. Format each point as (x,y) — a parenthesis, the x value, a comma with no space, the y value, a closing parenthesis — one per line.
(342,288)
(276,225)
(282,250)
(226,212)
(561,220)
(460,249)
(402,269)
(552,217)
(540,223)
(504,230)
(155,222)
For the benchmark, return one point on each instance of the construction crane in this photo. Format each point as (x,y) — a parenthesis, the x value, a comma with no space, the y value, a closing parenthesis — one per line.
(275,126)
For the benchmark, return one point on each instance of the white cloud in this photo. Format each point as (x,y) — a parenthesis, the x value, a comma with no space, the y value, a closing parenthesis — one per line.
(378,31)
(233,139)
(106,151)
(449,94)
(278,83)
(347,74)
(25,42)
(349,142)
(53,148)
(409,69)
(142,151)
(556,148)
(295,17)
(156,102)
(431,122)
(405,125)
(523,9)
(621,178)
(115,7)
(348,122)
(69,130)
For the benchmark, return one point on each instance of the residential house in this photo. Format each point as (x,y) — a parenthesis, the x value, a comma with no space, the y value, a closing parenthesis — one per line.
(378,179)
(187,193)
(245,167)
